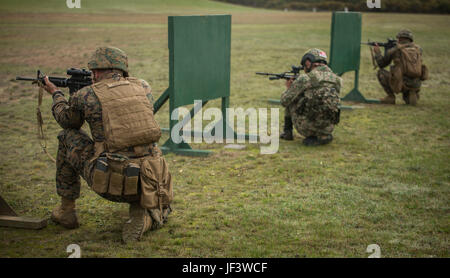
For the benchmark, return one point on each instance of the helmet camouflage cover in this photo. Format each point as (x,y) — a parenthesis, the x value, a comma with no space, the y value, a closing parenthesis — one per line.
(109,58)
(314,55)
(405,33)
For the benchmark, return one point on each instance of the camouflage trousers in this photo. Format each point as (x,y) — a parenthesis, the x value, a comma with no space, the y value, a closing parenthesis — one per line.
(75,152)
(307,128)
(75,149)
(384,77)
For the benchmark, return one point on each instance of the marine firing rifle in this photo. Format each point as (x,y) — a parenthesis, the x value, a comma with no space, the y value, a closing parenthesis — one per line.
(285,75)
(79,78)
(387,45)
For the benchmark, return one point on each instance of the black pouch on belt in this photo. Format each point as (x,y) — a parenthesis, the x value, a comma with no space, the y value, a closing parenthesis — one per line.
(131,179)
(100,179)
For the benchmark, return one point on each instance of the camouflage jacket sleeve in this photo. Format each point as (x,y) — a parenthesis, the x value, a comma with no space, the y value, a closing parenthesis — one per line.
(148,91)
(291,95)
(67,113)
(384,61)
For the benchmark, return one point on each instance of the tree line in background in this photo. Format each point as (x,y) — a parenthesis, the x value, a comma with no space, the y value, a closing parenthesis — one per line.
(398,6)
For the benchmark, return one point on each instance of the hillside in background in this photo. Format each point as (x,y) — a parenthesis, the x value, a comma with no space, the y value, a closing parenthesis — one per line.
(403,6)
(116,6)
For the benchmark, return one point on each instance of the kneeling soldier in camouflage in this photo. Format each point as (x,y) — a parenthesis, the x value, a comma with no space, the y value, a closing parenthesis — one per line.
(121,162)
(312,101)
(407,72)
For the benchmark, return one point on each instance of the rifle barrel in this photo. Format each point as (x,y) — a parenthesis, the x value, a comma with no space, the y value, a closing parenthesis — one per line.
(25,78)
(79,79)
(380,44)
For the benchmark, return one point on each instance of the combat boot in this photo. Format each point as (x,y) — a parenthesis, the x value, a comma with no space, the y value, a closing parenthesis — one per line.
(406,97)
(310,141)
(389,99)
(325,140)
(65,214)
(140,221)
(159,219)
(287,135)
(287,129)
(412,98)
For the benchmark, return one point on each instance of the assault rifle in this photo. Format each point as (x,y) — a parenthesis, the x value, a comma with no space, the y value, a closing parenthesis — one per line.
(79,78)
(285,75)
(387,45)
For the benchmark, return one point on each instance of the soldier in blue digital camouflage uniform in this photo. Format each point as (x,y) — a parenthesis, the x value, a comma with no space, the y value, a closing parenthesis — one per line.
(312,101)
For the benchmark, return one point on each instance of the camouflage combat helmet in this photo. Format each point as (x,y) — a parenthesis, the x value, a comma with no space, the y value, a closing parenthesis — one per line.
(405,33)
(109,58)
(314,55)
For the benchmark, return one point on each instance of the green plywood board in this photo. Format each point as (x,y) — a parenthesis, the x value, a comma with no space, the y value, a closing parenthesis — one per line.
(199,67)
(345,47)
(345,50)
(199,48)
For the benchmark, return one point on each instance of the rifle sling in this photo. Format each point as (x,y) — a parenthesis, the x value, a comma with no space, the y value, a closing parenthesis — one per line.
(40,124)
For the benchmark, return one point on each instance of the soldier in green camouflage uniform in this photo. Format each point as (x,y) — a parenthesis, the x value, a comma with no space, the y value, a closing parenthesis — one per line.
(411,86)
(312,100)
(76,148)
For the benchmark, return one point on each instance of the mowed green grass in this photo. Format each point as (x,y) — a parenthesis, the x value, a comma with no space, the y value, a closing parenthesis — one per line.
(384,180)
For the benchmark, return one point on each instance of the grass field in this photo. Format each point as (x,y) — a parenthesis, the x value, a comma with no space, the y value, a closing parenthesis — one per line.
(384,180)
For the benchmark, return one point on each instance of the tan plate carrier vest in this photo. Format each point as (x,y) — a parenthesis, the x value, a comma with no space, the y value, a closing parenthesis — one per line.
(127,114)
(128,121)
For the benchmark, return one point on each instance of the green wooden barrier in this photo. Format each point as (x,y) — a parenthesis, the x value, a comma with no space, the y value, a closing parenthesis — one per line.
(345,50)
(199,69)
